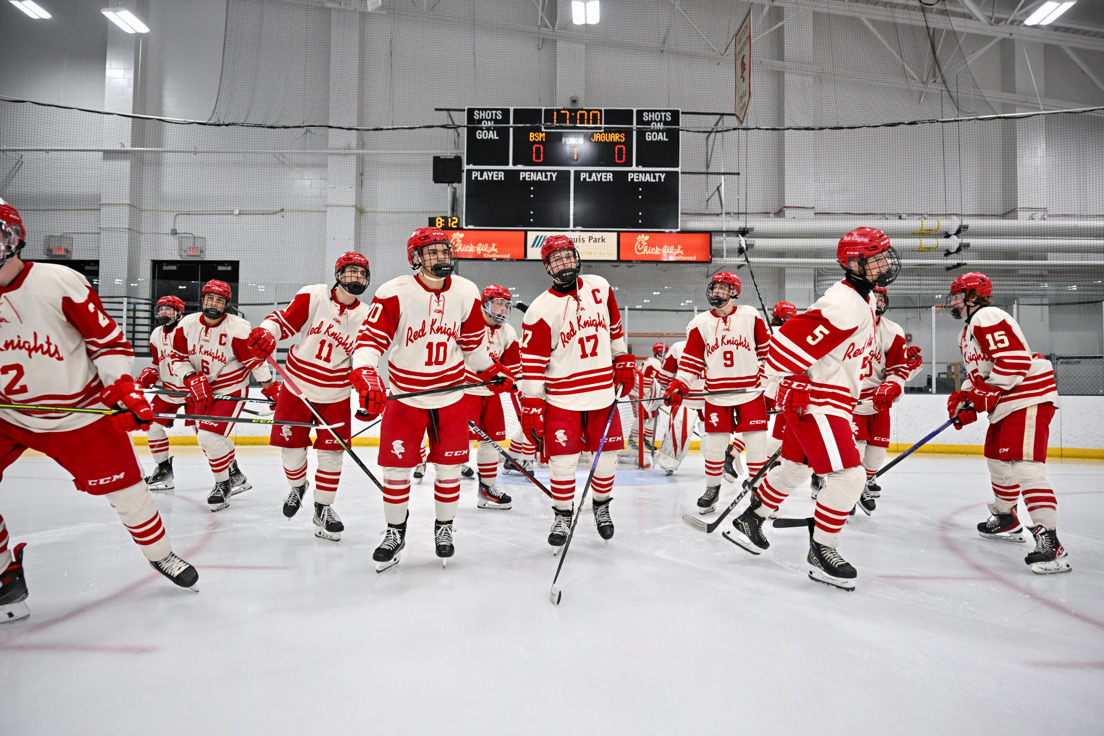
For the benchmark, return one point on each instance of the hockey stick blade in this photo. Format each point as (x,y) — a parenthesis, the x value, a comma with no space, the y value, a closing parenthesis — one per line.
(554,595)
(793,522)
(748,485)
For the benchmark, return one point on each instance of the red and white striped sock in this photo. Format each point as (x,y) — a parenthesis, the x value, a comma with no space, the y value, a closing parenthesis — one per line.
(220,465)
(602,488)
(5,555)
(159,448)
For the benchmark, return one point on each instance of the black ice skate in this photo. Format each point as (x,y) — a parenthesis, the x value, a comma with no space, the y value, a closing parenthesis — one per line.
(867,503)
(419,472)
(219,497)
(816,485)
(828,567)
(561,525)
(238,482)
(13,589)
(442,539)
(162,478)
(602,519)
(176,570)
(466,471)
(873,488)
(492,498)
(327,524)
(1049,556)
(295,499)
(733,464)
(387,554)
(708,500)
(1004,526)
(747,532)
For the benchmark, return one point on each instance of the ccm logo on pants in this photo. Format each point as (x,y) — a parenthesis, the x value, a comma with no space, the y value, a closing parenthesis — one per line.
(106,481)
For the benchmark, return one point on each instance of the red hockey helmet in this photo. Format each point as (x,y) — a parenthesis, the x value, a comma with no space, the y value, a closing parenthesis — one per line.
(555,243)
(172,302)
(419,239)
(723,277)
(350,259)
(659,349)
(13,236)
(494,291)
(971,286)
(862,244)
(219,288)
(498,312)
(784,310)
(880,291)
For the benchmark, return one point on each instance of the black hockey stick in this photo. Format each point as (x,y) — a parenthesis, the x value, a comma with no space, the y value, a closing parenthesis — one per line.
(555,593)
(290,385)
(508,459)
(216,397)
(445,389)
(695,397)
(744,252)
(711,527)
(790,522)
(163,415)
(367,428)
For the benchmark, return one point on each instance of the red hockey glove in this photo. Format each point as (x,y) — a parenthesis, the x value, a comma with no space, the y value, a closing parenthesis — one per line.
(370,388)
(261,343)
(125,393)
(199,391)
(272,393)
(532,417)
(886,394)
(913,359)
(793,395)
(984,397)
(624,373)
(497,370)
(148,377)
(959,409)
(676,392)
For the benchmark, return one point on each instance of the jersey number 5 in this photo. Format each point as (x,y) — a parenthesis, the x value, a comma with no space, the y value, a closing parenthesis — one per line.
(818,335)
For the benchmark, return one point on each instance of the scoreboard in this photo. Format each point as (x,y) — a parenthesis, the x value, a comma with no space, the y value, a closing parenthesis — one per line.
(567,169)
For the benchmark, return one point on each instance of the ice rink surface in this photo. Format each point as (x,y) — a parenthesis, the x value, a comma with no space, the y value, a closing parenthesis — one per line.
(665,630)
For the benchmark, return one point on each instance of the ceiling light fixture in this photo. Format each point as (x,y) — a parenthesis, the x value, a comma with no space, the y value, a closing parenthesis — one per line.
(32,9)
(1047,13)
(125,20)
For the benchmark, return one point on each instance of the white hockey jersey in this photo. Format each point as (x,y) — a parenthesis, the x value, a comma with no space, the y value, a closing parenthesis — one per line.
(649,371)
(326,331)
(568,345)
(219,352)
(887,363)
(670,368)
(58,347)
(434,337)
(727,352)
(501,343)
(995,350)
(830,342)
(160,342)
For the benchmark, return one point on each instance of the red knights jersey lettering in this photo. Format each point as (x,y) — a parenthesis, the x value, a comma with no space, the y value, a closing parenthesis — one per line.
(326,332)
(670,368)
(219,352)
(888,363)
(434,337)
(994,350)
(728,352)
(830,342)
(160,342)
(501,344)
(58,347)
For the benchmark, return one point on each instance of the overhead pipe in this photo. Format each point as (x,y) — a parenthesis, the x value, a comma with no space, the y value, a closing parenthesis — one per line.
(953,245)
(971,264)
(833,226)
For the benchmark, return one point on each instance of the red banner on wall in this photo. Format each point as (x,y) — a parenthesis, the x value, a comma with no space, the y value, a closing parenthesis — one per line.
(677,247)
(488,244)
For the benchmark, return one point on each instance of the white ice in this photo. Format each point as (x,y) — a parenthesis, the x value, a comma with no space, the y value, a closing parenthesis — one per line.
(665,630)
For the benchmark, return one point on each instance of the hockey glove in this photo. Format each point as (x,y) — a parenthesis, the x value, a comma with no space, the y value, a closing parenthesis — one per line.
(370,389)
(497,370)
(886,394)
(793,395)
(532,417)
(148,377)
(261,343)
(624,373)
(984,397)
(199,391)
(959,409)
(913,359)
(676,392)
(272,393)
(125,393)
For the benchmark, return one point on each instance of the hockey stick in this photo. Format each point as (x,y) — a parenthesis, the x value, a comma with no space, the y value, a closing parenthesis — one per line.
(748,485)
(554,594)
(744,252)
(445,389)
(367,428)
(784,522)
(344,446)
(506,457)
(163,415)
(701,395)
(216,397)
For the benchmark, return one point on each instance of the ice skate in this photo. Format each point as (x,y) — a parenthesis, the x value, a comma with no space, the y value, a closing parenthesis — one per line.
(490,497)
(466,471)
(1003,526)
(13,589)
(828,567)
(327,524)
(512,467)
(1049,556)
(219,497)
(295,499)
(561,526)
(873,488)
(387,555)
(442,539)
(867,503)
(419,472)
(238,482)
(733,464)
(176,570)
(708,501)
(816,485)
(747,532)
(162,478)
(602,519)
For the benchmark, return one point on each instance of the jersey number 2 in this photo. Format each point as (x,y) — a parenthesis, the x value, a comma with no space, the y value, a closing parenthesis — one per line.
(14,386)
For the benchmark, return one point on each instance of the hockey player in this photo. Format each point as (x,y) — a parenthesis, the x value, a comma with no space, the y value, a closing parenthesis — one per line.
(62,349)
(650,390)
(573,359)
(891,367)
(1016,388)
(816,367)
(781,312)
(522,447)
(169,311)
(484,402)
(432,322)
(682,420)
(210,350)
(325,320)
(725,346)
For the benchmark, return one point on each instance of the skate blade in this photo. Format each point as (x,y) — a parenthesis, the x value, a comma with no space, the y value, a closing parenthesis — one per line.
(240,489)
(323,534)
(557,550)
(819,576)
(498,506)
(1051,568)
(865,510)
(741,541)
(709,510)
(17,611)
(218,506)
(1017,537)
(160,487)
(381,566)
